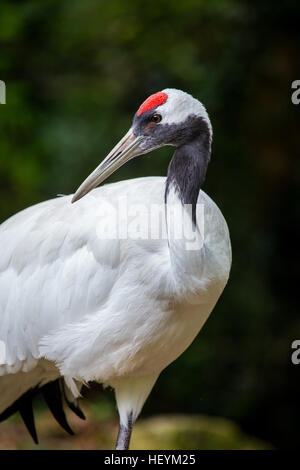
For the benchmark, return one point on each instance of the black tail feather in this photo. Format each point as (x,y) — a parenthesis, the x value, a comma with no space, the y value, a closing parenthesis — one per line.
(78,411)
(26,412)
(24,406)
(52,395)
(9,411)
(73,405)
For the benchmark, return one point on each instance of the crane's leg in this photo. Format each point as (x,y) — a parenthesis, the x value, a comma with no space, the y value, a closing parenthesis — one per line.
(124,434)
(131,394)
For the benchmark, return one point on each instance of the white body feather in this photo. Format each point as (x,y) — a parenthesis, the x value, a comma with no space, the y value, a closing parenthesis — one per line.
(117,311)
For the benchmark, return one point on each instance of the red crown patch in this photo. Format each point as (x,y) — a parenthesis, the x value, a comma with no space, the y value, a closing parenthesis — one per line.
(152,102)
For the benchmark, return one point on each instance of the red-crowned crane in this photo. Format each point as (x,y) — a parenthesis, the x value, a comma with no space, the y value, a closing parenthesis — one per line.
(79,302)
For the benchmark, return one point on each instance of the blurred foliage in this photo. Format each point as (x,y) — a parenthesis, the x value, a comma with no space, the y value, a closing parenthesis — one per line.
(76,72)
(99,430)
(192,432)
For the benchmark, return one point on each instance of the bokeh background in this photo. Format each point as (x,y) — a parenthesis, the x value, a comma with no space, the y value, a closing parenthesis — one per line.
(76,71)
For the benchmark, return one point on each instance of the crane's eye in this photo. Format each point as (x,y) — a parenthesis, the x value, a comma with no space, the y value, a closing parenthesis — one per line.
(156,118)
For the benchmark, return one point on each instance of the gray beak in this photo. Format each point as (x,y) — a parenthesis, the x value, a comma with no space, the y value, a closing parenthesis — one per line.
(129,147)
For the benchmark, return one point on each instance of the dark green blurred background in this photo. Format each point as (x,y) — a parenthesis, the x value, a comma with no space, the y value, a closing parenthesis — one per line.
(76,71)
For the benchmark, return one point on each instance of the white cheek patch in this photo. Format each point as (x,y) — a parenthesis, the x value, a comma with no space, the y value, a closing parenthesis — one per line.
(179,106)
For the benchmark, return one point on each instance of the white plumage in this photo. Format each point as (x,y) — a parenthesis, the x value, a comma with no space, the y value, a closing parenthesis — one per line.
(77,303)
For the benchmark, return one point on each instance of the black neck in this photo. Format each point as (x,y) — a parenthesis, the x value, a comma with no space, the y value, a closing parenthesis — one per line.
(187,170)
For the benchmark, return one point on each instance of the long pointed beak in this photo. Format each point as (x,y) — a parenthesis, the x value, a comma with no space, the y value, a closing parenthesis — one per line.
(128,148)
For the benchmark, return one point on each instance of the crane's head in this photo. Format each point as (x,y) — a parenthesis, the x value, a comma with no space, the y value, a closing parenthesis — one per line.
(169,117)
